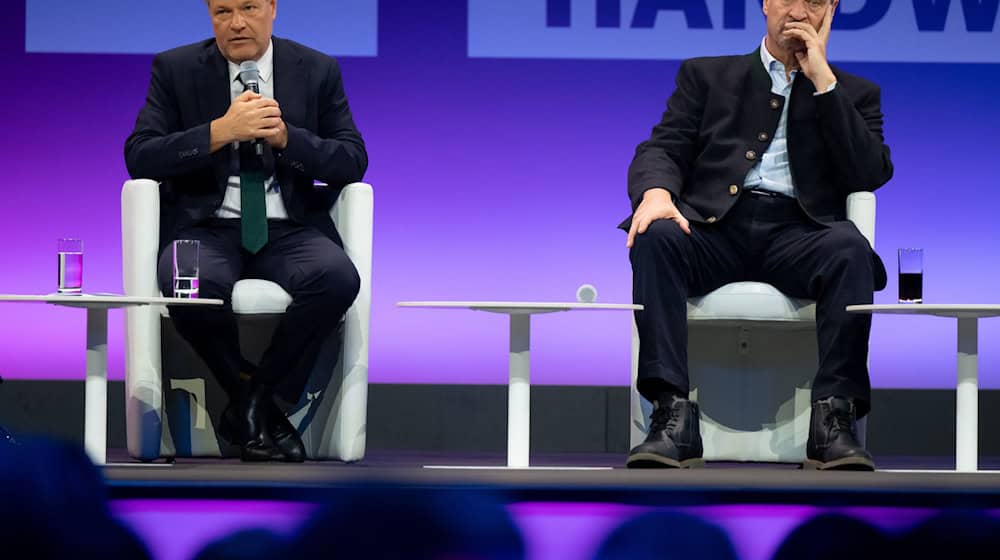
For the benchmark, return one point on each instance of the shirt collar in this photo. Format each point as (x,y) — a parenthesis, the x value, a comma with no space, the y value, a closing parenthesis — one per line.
(770,63)
(265,64)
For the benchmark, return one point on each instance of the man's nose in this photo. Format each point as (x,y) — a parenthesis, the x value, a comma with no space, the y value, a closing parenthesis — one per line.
(237,22)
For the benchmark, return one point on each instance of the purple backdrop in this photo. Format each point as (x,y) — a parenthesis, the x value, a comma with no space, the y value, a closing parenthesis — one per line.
(494,179)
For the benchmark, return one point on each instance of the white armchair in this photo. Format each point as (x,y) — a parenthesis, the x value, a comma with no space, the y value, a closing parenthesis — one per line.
(752,357)
(171,400)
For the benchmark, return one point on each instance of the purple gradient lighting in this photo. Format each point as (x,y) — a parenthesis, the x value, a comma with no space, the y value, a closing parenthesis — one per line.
(567,530)
(176,529)
(495,179)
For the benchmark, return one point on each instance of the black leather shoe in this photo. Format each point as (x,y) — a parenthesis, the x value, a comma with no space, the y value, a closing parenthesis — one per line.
(243,423)
(284,435)
(674,439)
(833,439)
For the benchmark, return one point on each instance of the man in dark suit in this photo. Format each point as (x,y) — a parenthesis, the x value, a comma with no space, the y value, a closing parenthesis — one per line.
(746,178)
(255,212)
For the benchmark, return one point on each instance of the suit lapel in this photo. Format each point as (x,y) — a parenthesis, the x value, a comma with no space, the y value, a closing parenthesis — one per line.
(291,82)
(759,79)
(291,78)
(212,83)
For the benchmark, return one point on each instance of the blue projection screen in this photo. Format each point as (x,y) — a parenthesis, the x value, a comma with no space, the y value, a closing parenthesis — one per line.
(920,30)
(338,27)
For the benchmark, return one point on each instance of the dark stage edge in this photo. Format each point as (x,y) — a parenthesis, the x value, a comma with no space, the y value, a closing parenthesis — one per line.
(718,483)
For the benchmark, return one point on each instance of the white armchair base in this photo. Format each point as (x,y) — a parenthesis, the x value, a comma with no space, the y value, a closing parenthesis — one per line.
(171,398)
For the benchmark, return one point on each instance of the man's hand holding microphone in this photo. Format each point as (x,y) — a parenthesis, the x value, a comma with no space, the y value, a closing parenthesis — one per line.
(250,117)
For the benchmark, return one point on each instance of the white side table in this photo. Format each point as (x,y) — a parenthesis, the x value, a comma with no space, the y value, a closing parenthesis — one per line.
(519,390)
(96,404)
(967,393)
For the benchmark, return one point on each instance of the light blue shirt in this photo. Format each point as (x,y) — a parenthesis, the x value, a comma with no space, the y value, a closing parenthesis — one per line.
(772,172)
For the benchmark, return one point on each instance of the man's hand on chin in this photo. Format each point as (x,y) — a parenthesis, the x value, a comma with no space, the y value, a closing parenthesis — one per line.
(811,55)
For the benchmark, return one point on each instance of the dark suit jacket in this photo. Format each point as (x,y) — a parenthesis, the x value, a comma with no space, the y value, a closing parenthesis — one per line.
(720,120)
(190,87)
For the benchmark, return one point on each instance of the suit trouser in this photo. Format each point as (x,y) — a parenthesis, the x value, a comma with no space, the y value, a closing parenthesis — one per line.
(314,270)
(766,239)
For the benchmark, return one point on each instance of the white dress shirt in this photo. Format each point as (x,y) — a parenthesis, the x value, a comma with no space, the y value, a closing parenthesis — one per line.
(231,203)
(773,172)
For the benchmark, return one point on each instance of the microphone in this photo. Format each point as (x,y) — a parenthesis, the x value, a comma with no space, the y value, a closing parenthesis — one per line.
(250,76)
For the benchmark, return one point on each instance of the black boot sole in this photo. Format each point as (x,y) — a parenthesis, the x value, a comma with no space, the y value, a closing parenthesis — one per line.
(844,464)
(284,436)
(256,455)
(654,461)
(248,455)
(292,451)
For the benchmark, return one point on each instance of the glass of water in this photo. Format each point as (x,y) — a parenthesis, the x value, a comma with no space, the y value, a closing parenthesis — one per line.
(185,253)
(911,276)
(70,266)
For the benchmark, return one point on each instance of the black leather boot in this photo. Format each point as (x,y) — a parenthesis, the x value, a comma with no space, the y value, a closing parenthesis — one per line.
(284,435)
(833,439)
(244,423)
(674,439)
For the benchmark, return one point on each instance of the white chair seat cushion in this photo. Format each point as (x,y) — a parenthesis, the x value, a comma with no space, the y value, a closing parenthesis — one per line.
(750,301)
(252,297)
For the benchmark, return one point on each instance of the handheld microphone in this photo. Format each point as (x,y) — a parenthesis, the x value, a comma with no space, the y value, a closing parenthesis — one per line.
(250,76)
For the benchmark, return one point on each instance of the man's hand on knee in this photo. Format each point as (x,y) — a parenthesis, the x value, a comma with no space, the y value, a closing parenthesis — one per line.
(656,205)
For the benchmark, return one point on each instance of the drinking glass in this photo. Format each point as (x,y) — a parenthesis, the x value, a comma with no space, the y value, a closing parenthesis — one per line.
(911,276)
(70,266)
(185,253)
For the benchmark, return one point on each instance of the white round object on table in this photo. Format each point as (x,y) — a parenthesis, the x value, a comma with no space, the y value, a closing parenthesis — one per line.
(586,294)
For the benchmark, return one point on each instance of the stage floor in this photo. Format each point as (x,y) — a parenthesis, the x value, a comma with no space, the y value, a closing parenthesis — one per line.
(563,477)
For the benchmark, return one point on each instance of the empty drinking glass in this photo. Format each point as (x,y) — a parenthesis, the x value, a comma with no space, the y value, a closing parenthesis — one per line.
(70,266)
(911,276)
(185,252)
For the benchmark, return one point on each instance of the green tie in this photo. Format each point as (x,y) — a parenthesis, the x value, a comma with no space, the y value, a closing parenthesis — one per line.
(253,210)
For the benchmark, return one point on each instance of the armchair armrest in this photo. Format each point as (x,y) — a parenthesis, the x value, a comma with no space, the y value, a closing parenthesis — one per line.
(140,237)
(861,211)
(143,390)
(352,213)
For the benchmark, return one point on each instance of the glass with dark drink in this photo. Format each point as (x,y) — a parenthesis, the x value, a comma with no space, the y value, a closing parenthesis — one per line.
(911,276)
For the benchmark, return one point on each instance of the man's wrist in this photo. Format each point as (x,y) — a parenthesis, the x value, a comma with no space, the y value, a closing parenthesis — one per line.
(825,82)
(282,138)
(656,192)
(219,134)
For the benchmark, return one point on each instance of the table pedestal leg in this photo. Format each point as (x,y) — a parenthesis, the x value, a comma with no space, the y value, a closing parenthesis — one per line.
(96,404)
(519,392)
(967,397)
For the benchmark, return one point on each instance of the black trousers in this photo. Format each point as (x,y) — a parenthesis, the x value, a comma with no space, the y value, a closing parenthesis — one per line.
(766,239)
(314,270)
